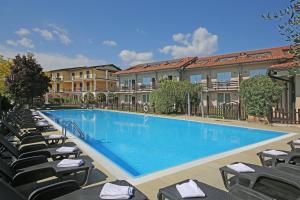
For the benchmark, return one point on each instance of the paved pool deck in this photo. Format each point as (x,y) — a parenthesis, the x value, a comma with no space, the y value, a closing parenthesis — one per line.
(207,172)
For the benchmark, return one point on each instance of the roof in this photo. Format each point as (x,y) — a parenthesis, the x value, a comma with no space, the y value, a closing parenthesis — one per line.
(169,64)
(287,65)
(268,54)
(88,67)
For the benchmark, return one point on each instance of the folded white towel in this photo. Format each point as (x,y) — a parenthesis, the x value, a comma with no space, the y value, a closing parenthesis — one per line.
(66,149)
(42,123)
(189,190)
(275,152)
(240,167)
(56,136)
(296,141)
(113,191)
(70,163)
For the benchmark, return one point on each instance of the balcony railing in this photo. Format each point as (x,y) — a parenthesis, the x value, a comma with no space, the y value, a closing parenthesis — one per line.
(223,85)
(146,87)
(57,78)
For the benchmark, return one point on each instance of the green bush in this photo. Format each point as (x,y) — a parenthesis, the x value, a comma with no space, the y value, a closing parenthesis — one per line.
(89,98)
(172,96)
(260,94)
(101,97)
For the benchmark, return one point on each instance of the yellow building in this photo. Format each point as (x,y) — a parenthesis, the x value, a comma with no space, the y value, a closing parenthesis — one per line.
(76,82)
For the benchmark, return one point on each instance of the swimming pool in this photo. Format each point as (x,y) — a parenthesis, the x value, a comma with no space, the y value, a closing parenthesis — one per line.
(141,144)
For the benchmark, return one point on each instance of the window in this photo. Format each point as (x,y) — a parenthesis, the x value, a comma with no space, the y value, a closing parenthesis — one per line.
(145,98)
(223,98)
(127,98)
(57,87)
(170,78)
(88,86)
(73,74)
(87,74)
(74,86)
(258,72)
(224,76)
(80,86)
(80,74)
(147,80)
(195,78)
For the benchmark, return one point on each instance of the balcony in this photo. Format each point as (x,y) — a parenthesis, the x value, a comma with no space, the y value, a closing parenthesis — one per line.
(57,78)
(221,85)
(88,76)
(146,87)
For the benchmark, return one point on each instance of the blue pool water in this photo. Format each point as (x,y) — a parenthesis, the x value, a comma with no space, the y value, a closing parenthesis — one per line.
(143,144)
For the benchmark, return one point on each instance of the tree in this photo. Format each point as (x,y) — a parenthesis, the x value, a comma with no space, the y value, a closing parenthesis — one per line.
(260,94)
(101,97)
(26,79)
(172,96)
(4,72)
(290,16)
(89,98)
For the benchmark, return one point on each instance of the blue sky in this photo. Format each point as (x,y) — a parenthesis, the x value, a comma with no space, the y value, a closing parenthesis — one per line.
(66,33)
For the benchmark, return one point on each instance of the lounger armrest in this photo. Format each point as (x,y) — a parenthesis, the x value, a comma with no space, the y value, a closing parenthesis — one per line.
(54,190)
(35,153)
(30,176)
(27,162)
(238,192)
(32,147)
(29,133)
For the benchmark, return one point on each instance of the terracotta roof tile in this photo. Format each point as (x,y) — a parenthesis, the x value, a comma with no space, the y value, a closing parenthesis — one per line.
(170,64)
(287,65)
(275,53)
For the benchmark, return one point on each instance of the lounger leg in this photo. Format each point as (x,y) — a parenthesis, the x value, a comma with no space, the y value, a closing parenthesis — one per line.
(160,196)
(87,174)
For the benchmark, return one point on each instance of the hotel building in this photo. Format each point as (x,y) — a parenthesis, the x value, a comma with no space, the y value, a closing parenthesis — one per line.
(220,76)
(78,81)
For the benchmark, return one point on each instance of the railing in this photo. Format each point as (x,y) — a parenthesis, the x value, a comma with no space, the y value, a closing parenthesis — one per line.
(225,85)
(73,127)
(57,78)
(146,87)
(285,117)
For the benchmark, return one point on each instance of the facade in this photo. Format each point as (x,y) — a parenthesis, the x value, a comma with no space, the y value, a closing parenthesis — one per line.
(76,82)
(220,75)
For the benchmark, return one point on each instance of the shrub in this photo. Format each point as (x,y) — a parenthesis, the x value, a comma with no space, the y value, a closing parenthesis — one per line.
(101,97)
(172,95)
(260,94)
(89,98)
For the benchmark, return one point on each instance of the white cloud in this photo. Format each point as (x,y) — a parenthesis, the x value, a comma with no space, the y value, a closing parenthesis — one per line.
(12,42)
(202,43)
(25,42)
(61,33)
(133,58)
(46,34)
(23,32)
(109,43)
(50,61)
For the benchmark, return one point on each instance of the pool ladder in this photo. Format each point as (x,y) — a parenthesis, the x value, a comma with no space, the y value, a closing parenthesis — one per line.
(73,127)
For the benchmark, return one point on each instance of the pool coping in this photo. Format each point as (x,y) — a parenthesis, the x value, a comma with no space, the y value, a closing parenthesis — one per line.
(120,173)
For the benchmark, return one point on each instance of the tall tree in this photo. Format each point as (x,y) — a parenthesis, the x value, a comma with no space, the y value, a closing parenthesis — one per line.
(4,72)
(26,79)
(289,18)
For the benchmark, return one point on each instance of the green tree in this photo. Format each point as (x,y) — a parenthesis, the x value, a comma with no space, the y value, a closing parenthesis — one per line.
(5,66)
(101,97)
(26,79)
(172,96)
(260,94)
(289,18)
(89,98)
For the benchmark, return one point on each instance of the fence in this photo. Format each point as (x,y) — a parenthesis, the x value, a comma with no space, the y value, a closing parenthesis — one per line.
(230,111)
(284,117)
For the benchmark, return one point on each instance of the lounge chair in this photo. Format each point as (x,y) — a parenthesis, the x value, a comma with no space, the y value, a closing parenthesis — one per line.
(238,192)
(21,176)
(36,150)
(268,160)
(294,145)
(7,192)
(274,182)
(92,193)
(31,136)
